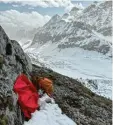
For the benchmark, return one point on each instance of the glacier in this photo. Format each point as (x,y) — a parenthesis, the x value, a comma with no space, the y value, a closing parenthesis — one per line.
(77,63)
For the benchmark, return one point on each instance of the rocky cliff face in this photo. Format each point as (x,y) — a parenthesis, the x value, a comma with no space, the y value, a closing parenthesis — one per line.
(13,61)
(78,102)
(89,29)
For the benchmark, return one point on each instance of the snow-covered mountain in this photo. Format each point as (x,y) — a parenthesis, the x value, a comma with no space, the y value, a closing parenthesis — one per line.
(78,45)
(84,28)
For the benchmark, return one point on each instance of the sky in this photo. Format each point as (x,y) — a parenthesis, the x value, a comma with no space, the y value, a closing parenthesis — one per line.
(18,15)
(40,8)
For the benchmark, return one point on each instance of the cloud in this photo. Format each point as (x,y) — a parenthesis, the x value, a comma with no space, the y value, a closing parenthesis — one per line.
(42,3)
(31,8)
(15,5)
(14,21)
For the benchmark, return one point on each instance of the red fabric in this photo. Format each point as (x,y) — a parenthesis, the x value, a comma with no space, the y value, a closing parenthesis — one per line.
(27,95)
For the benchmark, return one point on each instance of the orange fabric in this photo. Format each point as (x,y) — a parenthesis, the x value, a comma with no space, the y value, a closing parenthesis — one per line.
(27,95)
(46,85)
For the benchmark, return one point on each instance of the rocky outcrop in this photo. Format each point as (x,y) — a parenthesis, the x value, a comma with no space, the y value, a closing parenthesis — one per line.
(13,62)
(78,102)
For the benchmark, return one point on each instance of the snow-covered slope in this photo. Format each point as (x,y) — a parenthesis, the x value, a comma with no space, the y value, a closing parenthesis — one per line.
(49,114)
(77,29)
(77,63)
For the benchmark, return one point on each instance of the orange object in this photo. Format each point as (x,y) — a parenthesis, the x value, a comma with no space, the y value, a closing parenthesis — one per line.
(46,85)
(27,95)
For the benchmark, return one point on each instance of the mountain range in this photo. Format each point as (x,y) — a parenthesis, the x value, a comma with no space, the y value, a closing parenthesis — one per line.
(89,28)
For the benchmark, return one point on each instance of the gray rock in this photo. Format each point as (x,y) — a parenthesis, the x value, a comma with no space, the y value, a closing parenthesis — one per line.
(1,61)
(14,62)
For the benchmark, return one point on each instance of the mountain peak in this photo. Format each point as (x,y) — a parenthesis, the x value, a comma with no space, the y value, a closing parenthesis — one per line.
(75,10)
(65,15)
(55,17)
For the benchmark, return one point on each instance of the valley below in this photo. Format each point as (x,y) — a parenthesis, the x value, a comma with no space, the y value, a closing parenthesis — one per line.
(93,69)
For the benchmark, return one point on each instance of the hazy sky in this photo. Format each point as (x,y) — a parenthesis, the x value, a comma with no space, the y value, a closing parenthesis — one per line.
(49,8)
